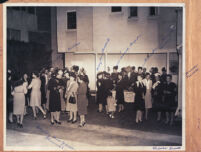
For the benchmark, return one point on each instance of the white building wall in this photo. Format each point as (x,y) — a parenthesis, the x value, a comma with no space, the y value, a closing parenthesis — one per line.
(122,31)
(96,25)
(82,36)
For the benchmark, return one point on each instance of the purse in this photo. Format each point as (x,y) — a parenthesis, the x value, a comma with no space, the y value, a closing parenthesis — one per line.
(72,100)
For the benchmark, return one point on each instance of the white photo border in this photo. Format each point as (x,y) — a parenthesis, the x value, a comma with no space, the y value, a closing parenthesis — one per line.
(102,148)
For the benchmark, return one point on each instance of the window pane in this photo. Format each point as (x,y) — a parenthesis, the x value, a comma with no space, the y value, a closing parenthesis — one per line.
(31,10)
(116,9)
(23,8)
(153,11)
(133,11)
(71,20)
(16,8)
(13,34)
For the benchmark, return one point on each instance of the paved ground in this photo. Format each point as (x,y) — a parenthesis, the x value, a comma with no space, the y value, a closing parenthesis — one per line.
(100,130)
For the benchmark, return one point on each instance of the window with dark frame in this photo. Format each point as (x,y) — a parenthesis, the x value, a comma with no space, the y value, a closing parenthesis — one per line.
(13,34)
(116,9)
(133,12)
(153,11)
(16,8)
(31,10)
(71,20)
(23,8)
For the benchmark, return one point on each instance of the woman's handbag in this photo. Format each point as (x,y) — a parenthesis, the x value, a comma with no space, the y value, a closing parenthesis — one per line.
(72,100)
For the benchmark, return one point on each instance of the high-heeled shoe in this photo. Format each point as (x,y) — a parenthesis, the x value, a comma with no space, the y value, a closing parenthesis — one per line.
(21,126)
(69,120)
(58,122)
(44,116)
(74,121)
(80,125)
(35,118)
(52,123)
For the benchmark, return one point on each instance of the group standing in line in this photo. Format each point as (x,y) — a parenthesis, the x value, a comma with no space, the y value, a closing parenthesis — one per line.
(151,89)
(53,90)
(66,90)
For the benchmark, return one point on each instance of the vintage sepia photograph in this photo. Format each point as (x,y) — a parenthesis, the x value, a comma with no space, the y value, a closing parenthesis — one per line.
(94,76)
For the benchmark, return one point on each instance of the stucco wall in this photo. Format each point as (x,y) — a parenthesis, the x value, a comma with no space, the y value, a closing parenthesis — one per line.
(122,31)
(82,36)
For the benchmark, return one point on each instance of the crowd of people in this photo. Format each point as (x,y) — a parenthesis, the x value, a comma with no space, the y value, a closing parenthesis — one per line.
(50,90)
(151,90)
(54,90)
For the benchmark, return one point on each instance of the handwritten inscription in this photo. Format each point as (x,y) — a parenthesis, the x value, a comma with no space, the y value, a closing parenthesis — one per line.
(127,49)
(166,39)
(103,50)
(73,46)
(192,71)
(167,148)
(59,143)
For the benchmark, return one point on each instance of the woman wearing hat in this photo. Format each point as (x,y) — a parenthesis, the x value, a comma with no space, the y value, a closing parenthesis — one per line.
(148,100)
(54,100)
(108,86)
(158,96)
(82,101)
(36,94)
(19,91)
(139,104)
(170,92)
(100,91)
(71,98)
(120,92)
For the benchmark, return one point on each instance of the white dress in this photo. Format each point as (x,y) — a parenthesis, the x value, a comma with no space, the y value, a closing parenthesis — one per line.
(35,93)
(19,99)
(148,102)
(71,86)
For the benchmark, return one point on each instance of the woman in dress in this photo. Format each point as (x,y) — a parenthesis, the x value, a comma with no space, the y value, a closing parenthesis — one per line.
(170,91)
(36,94)
(148,102)
(19,91)
(120,92)
(65,80)
(158,96)
(100,91)
(82,101)
(48,91)
(71,93)
(108,86)
(27,95)
(139,104)
(43,90)
(54,99)
(9,97)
